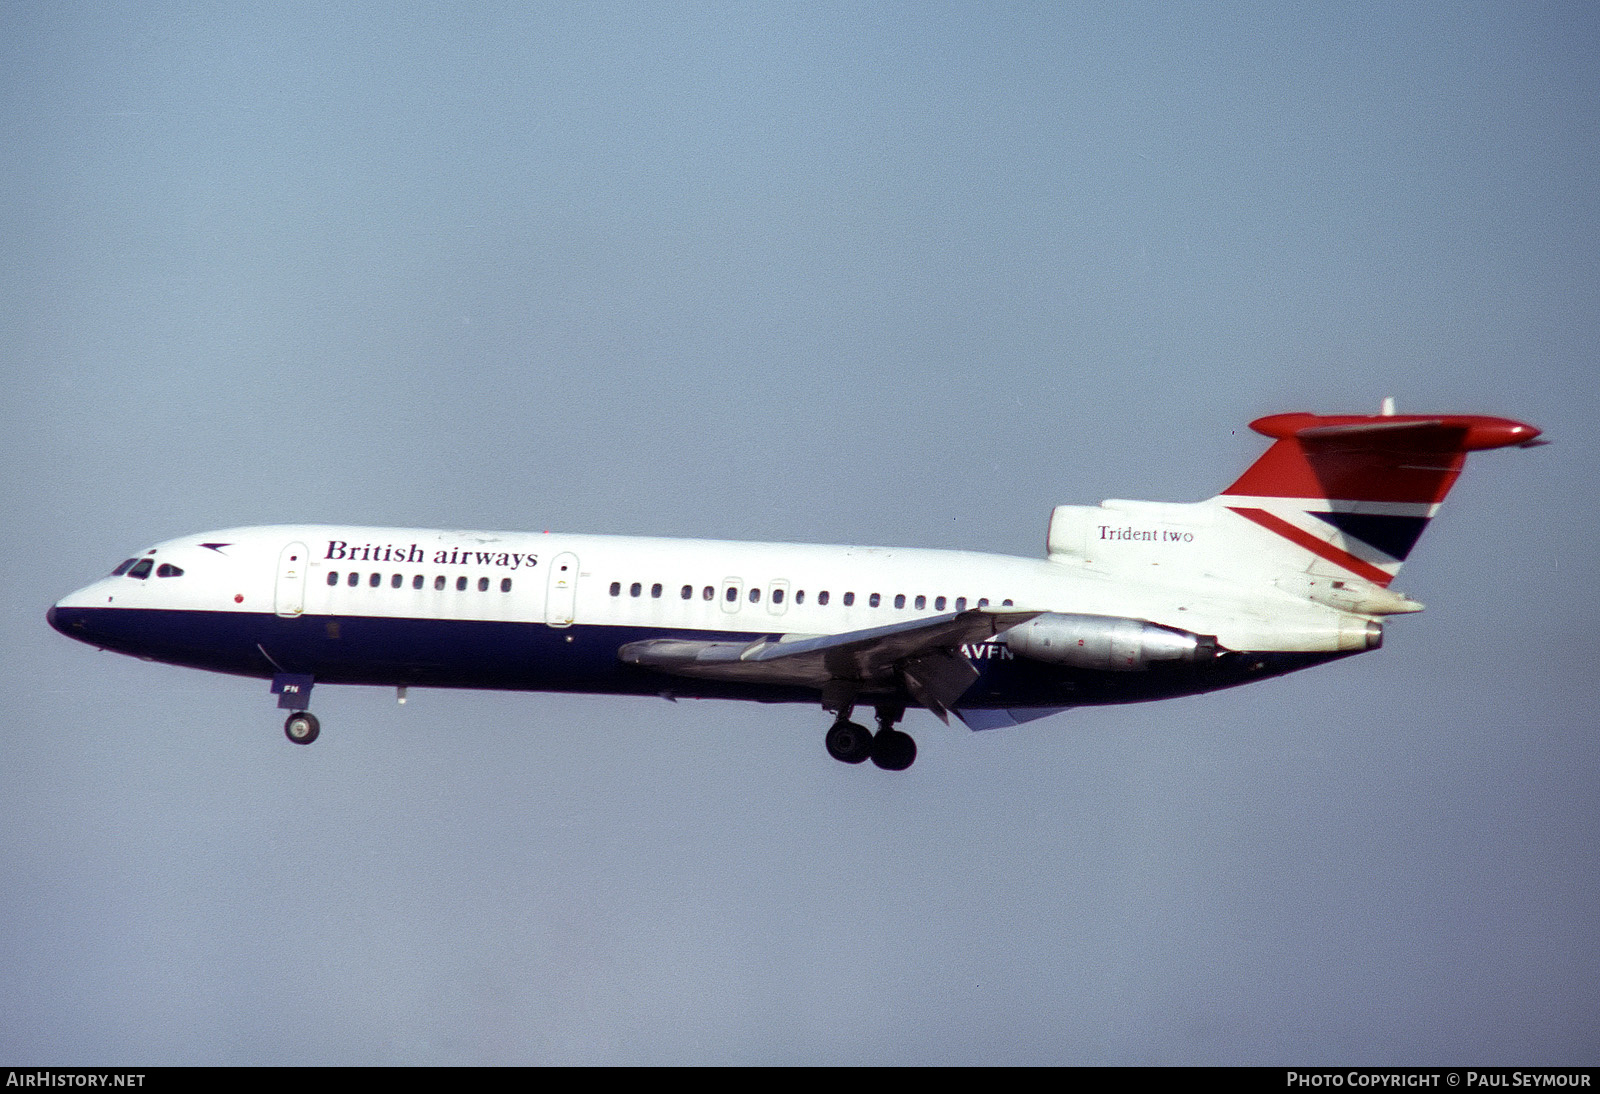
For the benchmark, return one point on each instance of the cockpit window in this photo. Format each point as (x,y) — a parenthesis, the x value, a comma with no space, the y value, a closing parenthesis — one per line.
(142,568)
(167,569)
(124,568)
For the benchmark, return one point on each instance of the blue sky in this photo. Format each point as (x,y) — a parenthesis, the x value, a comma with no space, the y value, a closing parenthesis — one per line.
(905,274)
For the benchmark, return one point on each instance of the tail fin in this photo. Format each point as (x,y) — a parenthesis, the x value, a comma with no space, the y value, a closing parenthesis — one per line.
(1358,491)
(1329,512)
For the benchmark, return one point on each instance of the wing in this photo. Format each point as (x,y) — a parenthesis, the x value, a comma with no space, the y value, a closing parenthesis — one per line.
(923,654)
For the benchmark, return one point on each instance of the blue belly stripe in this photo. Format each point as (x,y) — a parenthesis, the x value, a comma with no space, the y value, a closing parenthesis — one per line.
(521,656)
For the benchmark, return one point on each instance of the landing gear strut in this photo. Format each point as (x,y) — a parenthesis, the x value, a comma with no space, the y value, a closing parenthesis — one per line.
(302,727)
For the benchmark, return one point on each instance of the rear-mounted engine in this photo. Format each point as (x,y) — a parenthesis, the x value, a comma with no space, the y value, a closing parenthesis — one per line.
(1108,643)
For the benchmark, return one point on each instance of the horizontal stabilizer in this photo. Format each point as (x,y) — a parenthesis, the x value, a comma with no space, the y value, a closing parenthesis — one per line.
(1465,432)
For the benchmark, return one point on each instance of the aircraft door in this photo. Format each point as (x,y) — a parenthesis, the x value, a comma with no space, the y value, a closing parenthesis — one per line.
(561,597)
(289,598)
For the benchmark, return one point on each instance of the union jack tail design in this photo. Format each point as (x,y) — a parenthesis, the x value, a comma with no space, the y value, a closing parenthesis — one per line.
(1357,491)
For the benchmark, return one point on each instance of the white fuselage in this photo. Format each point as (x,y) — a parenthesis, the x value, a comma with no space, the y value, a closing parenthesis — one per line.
(672,584)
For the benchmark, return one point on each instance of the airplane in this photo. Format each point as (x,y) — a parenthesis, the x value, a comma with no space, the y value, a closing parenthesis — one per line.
(1289,567)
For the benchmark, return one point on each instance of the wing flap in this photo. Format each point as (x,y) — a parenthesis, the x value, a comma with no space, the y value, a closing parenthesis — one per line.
(938,679)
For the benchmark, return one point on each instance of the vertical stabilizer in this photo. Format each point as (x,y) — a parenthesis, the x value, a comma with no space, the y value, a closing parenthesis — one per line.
(1356,492)
(1328,513)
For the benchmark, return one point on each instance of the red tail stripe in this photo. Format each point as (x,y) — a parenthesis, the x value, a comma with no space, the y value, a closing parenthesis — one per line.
(1318,547)
(1294,468)
(1395,458)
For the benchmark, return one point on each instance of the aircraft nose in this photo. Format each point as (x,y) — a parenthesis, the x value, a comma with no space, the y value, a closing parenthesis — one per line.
(66,620)
(74,622)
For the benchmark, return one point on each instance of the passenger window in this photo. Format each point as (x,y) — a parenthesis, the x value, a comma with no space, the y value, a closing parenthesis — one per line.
(505,584)
(777,596)
(353,580)
(922,602)
(822,598)
(655,591)
(416,582)
(124,568)
(333,577)
(961,603)
(800,597)
(708,593)
(733,594)
(688,591)
(899,600)
(461,584)
(635,589)
(483,584)
(438,583)
(396,581)
(849,599)
(983,602)
(938,605)
(872,601)
(141,569)
(616,588)
(167,569)
(375,580)
(755,596)
(1005,603)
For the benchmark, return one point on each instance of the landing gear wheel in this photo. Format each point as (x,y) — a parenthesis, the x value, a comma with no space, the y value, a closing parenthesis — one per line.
(848,742)
(302,727)
(893,750)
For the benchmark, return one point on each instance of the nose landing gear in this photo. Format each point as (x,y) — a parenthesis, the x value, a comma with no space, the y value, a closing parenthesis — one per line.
(302,727)
(294,694)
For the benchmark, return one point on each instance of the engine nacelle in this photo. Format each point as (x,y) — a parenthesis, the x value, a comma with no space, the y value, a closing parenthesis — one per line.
(1105,642)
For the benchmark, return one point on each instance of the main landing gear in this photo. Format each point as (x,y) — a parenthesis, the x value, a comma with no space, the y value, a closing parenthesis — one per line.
(889,748)
(847,742)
